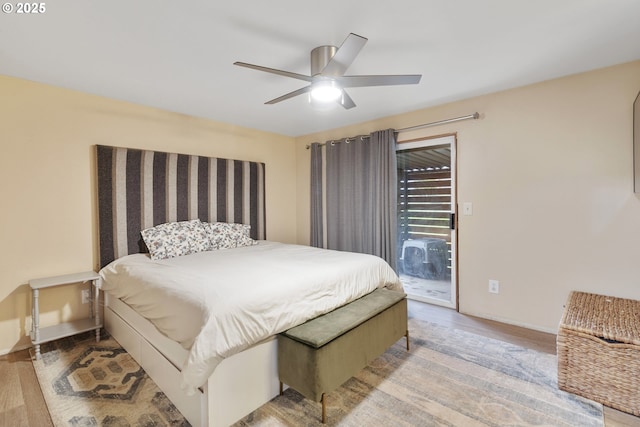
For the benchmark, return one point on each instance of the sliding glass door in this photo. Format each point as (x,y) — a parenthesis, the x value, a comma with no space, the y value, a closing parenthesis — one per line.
(426,219)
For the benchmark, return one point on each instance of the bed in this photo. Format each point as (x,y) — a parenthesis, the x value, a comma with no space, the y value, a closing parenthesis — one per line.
(204,324)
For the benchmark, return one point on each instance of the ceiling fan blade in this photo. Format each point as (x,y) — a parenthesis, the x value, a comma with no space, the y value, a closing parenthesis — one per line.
(275,71)
(346,101)
(290,95)
(344,56)
(382,80)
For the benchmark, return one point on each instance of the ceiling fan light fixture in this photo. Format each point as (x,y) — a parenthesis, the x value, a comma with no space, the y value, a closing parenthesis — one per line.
(327,78)
(326,91)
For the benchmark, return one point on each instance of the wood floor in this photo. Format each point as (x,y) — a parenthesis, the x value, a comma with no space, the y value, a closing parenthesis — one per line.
(22,403)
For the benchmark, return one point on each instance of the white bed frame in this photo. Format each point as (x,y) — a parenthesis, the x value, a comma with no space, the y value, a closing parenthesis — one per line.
(239,385)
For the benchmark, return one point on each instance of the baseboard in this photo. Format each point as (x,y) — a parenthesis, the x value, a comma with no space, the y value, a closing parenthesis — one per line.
(538,328)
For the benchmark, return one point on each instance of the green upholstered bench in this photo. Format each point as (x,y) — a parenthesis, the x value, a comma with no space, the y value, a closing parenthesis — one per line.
(318,356)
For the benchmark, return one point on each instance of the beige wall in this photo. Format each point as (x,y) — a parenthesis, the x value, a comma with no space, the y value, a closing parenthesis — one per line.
(548,168)
(48,216)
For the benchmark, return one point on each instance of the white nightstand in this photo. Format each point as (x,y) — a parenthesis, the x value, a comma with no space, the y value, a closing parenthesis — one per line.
(50,333)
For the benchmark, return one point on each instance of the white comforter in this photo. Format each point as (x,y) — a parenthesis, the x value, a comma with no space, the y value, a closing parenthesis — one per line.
(218,303)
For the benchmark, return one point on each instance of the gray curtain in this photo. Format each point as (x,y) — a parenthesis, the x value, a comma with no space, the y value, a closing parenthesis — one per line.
(361,196)
(316,196)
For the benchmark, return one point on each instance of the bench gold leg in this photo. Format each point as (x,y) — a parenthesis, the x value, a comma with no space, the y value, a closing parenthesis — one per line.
(407,335)
(323,400)
(281,392)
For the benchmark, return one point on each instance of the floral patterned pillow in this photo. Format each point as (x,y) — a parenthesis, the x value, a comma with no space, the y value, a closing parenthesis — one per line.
(175,239)
(224,235)
(199,236)
(242,234)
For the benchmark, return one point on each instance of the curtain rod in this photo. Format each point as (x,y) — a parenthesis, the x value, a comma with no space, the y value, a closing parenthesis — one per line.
(473,116)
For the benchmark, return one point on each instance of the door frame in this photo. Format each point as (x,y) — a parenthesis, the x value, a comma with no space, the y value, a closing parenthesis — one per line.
(425,142)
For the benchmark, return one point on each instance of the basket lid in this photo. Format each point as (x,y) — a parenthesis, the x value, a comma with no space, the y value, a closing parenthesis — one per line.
(603,316)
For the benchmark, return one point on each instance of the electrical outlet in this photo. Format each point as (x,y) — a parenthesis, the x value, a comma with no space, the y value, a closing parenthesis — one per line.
(86,296)
(494,286)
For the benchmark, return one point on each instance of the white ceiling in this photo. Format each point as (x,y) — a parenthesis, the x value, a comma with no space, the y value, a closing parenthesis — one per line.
(178,55)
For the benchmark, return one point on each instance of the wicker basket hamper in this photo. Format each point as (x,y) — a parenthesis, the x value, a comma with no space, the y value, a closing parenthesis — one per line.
(599,350)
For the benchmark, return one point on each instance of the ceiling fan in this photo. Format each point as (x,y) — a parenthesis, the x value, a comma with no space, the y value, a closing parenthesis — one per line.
(327,79)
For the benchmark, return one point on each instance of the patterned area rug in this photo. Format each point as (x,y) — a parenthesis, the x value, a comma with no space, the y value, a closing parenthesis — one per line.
(98,384)
(449,378)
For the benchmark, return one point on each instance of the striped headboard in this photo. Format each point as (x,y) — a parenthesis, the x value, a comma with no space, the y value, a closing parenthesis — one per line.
(138,189)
